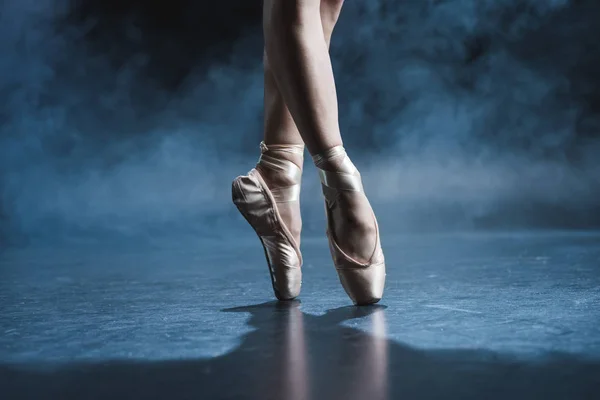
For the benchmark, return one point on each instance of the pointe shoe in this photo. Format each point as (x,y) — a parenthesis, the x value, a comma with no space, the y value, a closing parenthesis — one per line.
(363,282)
(258,204)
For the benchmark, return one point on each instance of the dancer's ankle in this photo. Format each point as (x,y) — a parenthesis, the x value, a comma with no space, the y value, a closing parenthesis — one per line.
(334,159)
(275,176)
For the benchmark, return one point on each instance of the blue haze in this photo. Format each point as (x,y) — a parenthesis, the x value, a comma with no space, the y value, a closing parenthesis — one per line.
(461,114)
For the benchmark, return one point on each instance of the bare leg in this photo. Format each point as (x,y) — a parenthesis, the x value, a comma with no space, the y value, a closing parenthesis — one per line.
(280,127)
(297,51)
(279,124)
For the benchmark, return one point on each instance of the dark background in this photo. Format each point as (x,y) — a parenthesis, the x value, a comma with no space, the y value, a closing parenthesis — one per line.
(132,117)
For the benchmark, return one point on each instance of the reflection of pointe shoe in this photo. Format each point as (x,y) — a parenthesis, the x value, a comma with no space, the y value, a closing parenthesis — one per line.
(258,204)
(363,282)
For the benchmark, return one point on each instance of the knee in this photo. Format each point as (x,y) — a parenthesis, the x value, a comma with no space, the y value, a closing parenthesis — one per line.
(331,7)
(333,4)
(291,14)
(330,12)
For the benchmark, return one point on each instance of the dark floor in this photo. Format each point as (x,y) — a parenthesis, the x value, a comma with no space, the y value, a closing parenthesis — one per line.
(465,316)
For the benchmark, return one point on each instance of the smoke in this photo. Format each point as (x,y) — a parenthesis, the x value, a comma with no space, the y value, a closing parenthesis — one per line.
(91,143)
(459,113)
(483,111)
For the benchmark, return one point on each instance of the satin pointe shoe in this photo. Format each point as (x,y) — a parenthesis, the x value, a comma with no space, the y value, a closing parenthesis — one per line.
(258,204)
(363,282)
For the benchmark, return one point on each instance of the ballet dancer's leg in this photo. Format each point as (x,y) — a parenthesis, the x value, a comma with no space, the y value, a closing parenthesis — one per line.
(299,60)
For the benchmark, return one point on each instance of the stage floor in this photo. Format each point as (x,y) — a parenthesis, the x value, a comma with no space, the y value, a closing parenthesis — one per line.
(464,316)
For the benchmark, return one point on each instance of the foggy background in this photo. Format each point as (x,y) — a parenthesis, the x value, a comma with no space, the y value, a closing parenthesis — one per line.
(131,118)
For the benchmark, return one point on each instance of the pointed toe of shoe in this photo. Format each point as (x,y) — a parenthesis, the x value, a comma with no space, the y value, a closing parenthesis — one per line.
(363,285)
(287,284)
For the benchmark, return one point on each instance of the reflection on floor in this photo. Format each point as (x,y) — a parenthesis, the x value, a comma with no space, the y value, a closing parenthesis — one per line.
(465,317)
